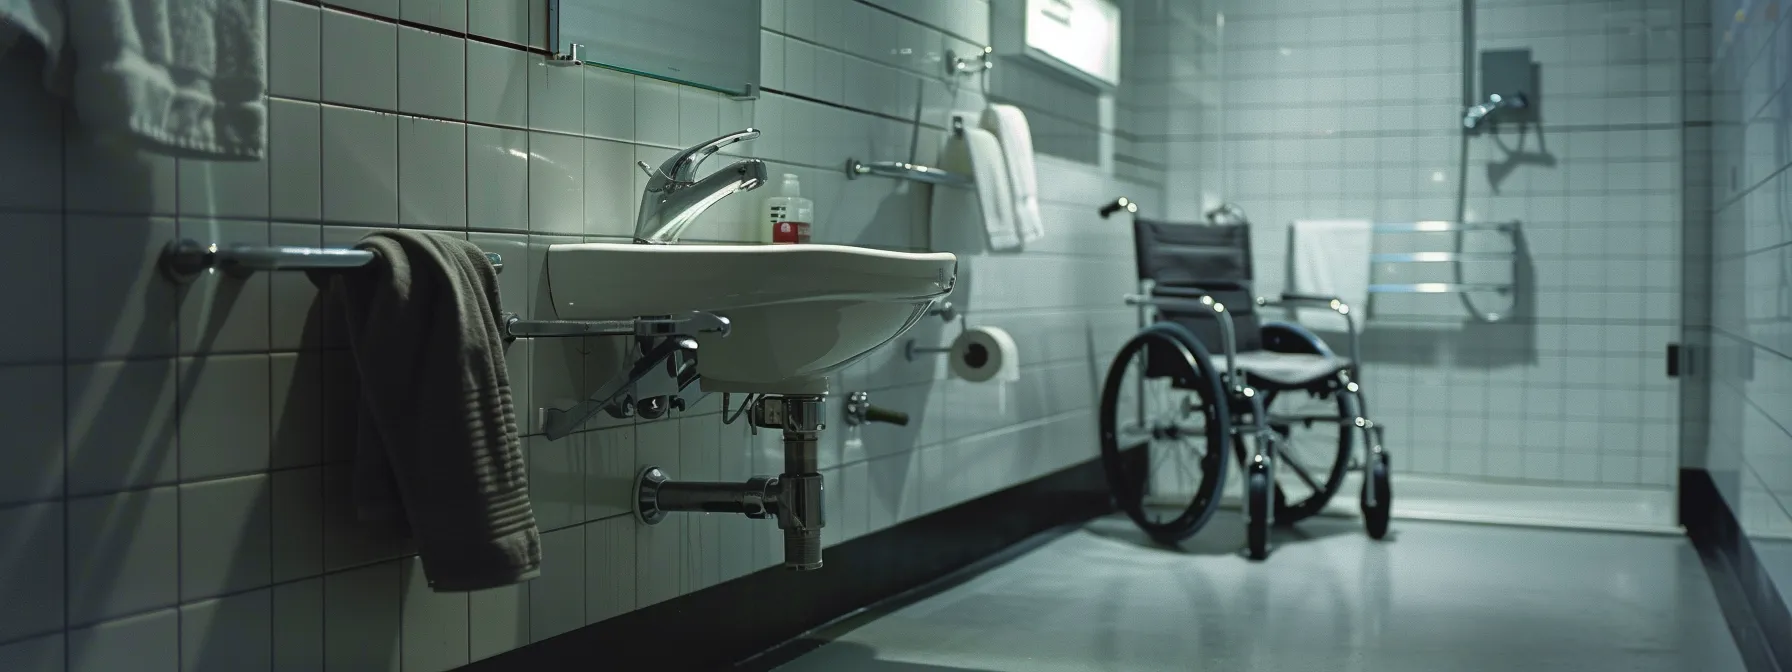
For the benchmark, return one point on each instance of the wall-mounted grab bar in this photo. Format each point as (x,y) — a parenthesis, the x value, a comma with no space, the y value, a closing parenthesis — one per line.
(903,170)
(906,171)
(185,259)
(683,324)
(1439,288)
(1441,226)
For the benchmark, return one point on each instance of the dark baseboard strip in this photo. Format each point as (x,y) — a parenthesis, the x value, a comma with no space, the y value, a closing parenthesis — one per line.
(720,626)
(1756,612)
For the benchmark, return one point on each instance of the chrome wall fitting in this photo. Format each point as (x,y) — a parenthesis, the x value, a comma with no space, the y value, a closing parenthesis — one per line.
(860,411)
(965,66)
(911,350)
(794,497)
(945,310)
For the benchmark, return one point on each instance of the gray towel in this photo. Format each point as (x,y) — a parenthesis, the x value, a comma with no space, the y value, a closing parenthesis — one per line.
(437,453)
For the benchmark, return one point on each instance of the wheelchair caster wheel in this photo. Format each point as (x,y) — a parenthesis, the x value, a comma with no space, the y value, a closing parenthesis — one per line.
(1257,503)
(1375,517)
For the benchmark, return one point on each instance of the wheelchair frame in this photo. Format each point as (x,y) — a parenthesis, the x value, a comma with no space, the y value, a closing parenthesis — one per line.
(1243,398)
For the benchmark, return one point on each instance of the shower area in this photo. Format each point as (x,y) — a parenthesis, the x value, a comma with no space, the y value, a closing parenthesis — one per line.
(1527,267)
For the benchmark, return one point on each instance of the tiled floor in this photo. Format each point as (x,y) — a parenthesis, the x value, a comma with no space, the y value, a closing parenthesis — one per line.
(1436,596)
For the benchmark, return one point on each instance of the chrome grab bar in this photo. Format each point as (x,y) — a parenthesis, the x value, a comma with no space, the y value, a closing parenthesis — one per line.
(184,259)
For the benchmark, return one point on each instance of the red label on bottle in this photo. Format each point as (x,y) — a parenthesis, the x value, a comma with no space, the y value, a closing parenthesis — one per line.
(790,232)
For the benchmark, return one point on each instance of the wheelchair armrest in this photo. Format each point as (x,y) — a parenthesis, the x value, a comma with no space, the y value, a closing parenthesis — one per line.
(1336,304)
(1204,302)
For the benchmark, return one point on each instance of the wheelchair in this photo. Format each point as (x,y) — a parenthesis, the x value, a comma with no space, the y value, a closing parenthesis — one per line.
(1277,398)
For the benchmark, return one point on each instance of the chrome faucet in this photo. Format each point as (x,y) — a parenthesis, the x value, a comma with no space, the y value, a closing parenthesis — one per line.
(675,197)
(1472,118)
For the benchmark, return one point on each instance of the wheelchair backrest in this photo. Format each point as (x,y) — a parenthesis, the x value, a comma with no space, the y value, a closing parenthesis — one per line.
(1189,260)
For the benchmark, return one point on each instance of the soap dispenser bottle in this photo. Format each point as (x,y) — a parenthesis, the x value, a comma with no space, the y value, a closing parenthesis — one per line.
(788,216)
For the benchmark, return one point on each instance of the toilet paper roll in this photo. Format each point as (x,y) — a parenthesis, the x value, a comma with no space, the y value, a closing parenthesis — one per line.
(985,353)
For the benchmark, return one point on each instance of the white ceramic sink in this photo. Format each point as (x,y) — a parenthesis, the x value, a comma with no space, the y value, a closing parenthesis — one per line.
(798,312)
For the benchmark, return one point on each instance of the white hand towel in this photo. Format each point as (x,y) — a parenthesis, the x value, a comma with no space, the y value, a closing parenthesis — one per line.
(182,77)
(1009,124)
(979,153)
(1330,258)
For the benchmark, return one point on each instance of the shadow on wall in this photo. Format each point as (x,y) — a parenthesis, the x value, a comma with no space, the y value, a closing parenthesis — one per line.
(1518,154)
(1064,115)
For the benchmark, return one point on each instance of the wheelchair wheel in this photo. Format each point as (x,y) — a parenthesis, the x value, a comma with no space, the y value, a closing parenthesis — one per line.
(1375,517)
(1164,430)
(1257,498)
(1314,448)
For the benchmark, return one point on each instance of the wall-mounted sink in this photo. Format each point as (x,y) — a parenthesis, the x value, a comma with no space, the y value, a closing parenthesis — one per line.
(799,312)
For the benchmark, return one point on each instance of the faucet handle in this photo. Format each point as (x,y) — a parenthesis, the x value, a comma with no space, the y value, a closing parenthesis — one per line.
(682,167)
(646,168)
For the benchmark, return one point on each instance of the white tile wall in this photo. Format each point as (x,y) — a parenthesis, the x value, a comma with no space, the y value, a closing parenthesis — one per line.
(1334,112)
(178,496)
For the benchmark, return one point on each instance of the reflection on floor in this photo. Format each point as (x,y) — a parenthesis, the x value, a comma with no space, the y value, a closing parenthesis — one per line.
(1435,596)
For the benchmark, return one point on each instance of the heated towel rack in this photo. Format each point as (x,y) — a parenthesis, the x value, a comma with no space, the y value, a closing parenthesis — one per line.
(1446,257)
(903,170)
(185,259)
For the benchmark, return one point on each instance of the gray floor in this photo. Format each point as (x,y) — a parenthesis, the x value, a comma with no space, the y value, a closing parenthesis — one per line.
(1436,596)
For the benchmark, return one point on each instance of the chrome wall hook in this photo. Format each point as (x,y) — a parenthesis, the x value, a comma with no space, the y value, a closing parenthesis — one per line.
(964,66)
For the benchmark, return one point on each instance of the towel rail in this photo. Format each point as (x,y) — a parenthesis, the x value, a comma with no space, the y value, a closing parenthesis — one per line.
(1442,226)
(185,259)
(903,170)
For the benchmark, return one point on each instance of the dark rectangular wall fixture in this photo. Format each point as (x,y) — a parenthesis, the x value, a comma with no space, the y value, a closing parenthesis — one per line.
(1510,72)
(1674,355)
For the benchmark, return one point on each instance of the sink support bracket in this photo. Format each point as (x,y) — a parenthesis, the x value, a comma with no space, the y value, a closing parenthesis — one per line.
(662,378)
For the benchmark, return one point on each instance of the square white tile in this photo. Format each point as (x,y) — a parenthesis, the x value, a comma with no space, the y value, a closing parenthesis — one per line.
(297,524)
(31,173)
(224,425)
(498,620)
(435,627)
(298,613)
(556,96)
(109,177)
(230,633)
(223,188)
(610,196)
(295,414)
(497,178)
(556,183)
(41,270)
(146,642)
(31,407)
(31,570)
(610,472)
(699,116)
(123,554)
(506,20)
(609,568)
(445,14)
(609,103)
(434,82)
(121,425)
(295,58)
(361,66)
(362,618)
(225,536)
(38,654)
(125,307)
(497,84)
(432,174)
(556,480)
(295,160)
(656,112)
(360,166)
(557,597)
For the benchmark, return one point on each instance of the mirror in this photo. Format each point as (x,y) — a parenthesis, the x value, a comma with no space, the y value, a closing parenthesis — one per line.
(713,44)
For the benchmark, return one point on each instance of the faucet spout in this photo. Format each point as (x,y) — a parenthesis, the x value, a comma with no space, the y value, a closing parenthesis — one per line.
(665,215)
(674,197)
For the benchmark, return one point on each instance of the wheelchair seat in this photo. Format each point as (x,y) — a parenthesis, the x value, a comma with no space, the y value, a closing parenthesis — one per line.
(1273,370)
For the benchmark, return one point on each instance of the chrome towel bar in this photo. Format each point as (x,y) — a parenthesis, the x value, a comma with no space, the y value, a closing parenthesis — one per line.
(184,259)
(903,170)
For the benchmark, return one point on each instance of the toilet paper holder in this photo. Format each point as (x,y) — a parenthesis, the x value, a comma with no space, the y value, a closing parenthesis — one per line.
(913,349)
